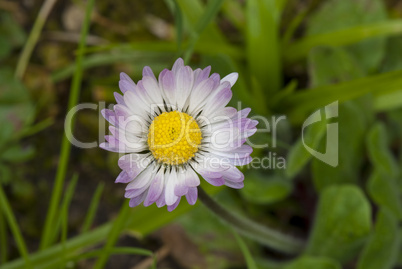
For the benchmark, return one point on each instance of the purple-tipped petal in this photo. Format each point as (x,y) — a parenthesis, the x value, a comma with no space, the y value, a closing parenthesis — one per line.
(233,174)
(234,185)
(184,84)
(124,76)
(177,65)
(153,91)
(109,115)
(125,86)
(219,101)
(123,177)
(192,180)
(119,98)
(147,72)
(155,189)
(137,200)
(167,83)
(161,200)
(201,75)
(215,181)
(135,192)
(192,195)
(173,206)
(244,112)
(134,164)
(143,178)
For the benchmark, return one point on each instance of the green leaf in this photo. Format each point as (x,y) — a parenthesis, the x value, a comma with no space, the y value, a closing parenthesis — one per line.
(384,191)
(246,252)
(261,189)
(393,57)
(336,15)
(381,251)
(17,153)
(388,101)
(307,262)
(11,34)
(352,128)
(5,47)
(379,153)
(263,50)
(328,65)
(15,106)
(342,224)
(5,174)
(12,30)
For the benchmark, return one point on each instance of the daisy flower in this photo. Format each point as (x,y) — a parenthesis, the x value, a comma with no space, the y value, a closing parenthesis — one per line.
(174,129)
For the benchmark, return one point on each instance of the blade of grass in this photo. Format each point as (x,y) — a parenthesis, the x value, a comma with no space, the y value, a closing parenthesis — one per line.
(262,43)
(235,14)
(293,25)
(193,11)
(136,53)
(155,216)
(66,145)
(208,16)
(97,253)
(302,102)
(64,214)
(301,48)
(262,234)
(12,222)
(40,126)
(33,38)
(178,21)
(246,252)
(106,59)
(3,239)
(114,251)
(113,236)
(93,207)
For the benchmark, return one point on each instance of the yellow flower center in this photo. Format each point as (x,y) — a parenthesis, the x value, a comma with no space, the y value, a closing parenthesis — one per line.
(174,137)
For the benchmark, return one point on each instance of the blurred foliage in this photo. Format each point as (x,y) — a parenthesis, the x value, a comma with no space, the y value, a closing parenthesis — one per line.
(293,57)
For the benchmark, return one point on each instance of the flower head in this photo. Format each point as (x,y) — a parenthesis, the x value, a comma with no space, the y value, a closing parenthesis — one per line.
(174,128)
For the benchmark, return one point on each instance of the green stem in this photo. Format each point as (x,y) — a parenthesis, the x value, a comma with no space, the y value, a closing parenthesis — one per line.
(113,235)
(255,231)
(209,14)
(33,38)
(93,207)
(12,222)
(3,240)
(66,145)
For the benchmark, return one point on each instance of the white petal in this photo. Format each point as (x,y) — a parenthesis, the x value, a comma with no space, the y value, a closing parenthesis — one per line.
(143,178)
(231,78)
(171,182)
(184,84)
